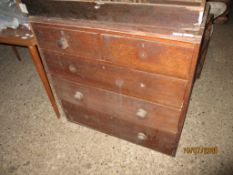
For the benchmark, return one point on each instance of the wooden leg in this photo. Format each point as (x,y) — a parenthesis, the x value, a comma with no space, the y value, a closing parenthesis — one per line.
(40,69)
(16,52)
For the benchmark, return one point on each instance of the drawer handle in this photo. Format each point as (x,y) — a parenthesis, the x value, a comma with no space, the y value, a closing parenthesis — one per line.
(119,83)
(78,95)
(72,68)
(142,136)
(62,43)
(142,85)
(141,113)
(143,55)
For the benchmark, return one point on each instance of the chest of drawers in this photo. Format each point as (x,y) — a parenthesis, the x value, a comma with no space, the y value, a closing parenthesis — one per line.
(123,69)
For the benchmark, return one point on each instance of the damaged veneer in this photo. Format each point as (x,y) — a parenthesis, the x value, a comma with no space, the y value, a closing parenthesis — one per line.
(125,68)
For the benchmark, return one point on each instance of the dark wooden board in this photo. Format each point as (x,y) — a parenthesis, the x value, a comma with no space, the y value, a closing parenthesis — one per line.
(89,46)
(153,87)
(118,105)
(151,56)
(175,16)
(164,142)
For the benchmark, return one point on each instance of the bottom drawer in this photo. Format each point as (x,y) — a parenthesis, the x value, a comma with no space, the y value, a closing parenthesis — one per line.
(148,137)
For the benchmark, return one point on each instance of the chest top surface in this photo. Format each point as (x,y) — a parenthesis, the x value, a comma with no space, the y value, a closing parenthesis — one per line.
(179,20)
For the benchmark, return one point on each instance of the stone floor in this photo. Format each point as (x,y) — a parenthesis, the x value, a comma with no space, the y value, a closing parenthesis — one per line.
(33,141)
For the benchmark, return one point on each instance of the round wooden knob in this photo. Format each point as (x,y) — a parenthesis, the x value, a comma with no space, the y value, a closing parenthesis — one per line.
(119,83)
(142,85)
(141,113)
(62,43)
(72,68)
(97,7)
(141,136)
(143,55)
(78,95)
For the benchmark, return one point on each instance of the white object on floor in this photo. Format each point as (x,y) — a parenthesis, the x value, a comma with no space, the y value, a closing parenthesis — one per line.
(217,8)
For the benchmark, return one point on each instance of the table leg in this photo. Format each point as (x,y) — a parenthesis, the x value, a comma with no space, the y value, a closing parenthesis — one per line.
(16,52)
(40,69)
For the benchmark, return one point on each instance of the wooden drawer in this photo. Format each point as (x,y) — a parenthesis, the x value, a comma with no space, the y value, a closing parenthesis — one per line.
(152,87)
(128,108)
(158,57)
(64,40)
(121,127)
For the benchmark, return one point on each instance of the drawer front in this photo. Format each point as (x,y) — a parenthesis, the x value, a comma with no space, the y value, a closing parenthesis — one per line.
(147,55)
(121,106)
(152,87)
(119,127)
(75,42)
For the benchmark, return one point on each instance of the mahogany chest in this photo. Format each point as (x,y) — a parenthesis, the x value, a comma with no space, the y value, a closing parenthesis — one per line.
(125,68)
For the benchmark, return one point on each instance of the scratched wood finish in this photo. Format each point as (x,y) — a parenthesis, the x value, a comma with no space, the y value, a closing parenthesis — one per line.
(85,44)
(151,2)
(147,55)
(152,87)
(121,68)
(120,106)
(156,139)
(175,16)
(125,51)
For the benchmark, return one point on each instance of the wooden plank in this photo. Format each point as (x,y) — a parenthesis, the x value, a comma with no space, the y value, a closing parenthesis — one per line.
(153,87)
(85,44)
(129,108)
(143,15)
(156,57)
(155,139)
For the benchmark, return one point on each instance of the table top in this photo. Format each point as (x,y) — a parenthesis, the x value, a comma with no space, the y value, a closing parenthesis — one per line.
(21,36)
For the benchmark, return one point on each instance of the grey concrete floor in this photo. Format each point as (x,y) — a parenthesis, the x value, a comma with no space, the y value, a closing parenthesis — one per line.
(33,141)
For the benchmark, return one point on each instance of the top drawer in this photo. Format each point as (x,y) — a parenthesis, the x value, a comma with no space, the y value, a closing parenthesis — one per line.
(75,42)
(146,55)
(152,56)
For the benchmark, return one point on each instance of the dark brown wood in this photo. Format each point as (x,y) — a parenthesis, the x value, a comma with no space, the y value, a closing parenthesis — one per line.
(125,51)
(16,53)
(148,56)
(173,15)
(120,106)
(152,33)
(187,93)
(85,44)
(205,45)
(40,69)
(159,140)
(121,68)
(153,87)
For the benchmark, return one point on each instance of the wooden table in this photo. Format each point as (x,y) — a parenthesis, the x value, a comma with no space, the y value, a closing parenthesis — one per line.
(24,37)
